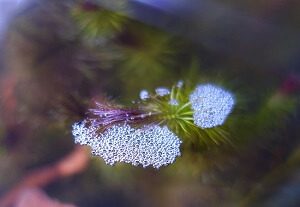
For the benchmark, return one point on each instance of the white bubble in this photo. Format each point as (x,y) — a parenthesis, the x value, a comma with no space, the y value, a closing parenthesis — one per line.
(162,91)
(173,102)
(179,84)
(144,94)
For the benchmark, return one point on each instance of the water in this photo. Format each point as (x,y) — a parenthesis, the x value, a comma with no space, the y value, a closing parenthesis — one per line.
(58,58)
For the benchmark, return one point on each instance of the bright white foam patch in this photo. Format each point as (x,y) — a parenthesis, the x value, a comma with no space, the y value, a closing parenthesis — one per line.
(211,104)
(151,145)
(82,134)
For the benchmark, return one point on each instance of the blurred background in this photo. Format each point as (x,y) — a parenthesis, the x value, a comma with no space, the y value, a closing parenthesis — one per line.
(57,57)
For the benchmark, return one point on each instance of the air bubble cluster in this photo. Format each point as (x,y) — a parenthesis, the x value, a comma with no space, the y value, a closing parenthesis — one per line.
(82,134)
(151,145)
(162,91)
(211,104)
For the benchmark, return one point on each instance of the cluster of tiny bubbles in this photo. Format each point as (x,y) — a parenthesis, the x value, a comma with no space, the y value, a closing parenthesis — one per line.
(173,102)
(82,134)
(144,94)
(211,104)
(162,91)
(151,145)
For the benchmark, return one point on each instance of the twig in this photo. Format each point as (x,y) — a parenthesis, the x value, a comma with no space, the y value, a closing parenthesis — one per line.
(73,163)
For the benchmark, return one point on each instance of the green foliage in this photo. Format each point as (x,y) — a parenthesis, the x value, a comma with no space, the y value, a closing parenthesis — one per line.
(179,118)
(133,49)
(148,52)
(279,106)
(98,22)
(153,50)
(147,56)
(269,118)
(63,79)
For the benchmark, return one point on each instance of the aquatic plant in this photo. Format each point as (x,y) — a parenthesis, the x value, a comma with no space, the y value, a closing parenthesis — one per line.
(147,134)
(95,21)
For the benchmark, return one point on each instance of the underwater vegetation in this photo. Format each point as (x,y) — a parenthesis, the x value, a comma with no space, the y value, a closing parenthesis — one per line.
(91,104)
(141,136)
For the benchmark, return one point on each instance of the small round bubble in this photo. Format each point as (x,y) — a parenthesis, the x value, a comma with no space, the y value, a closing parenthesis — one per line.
(173,102)
(144,94)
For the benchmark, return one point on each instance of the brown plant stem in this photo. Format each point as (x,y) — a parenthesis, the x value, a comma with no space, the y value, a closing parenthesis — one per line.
(69,165)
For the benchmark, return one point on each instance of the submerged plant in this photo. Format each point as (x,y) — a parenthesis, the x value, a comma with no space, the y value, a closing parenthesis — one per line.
(148,133)
(95,21)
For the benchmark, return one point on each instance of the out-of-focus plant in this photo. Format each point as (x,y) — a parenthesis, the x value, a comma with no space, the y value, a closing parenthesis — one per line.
(276,109)
(147,50)
(134,48)
(195,115)
(95,21)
